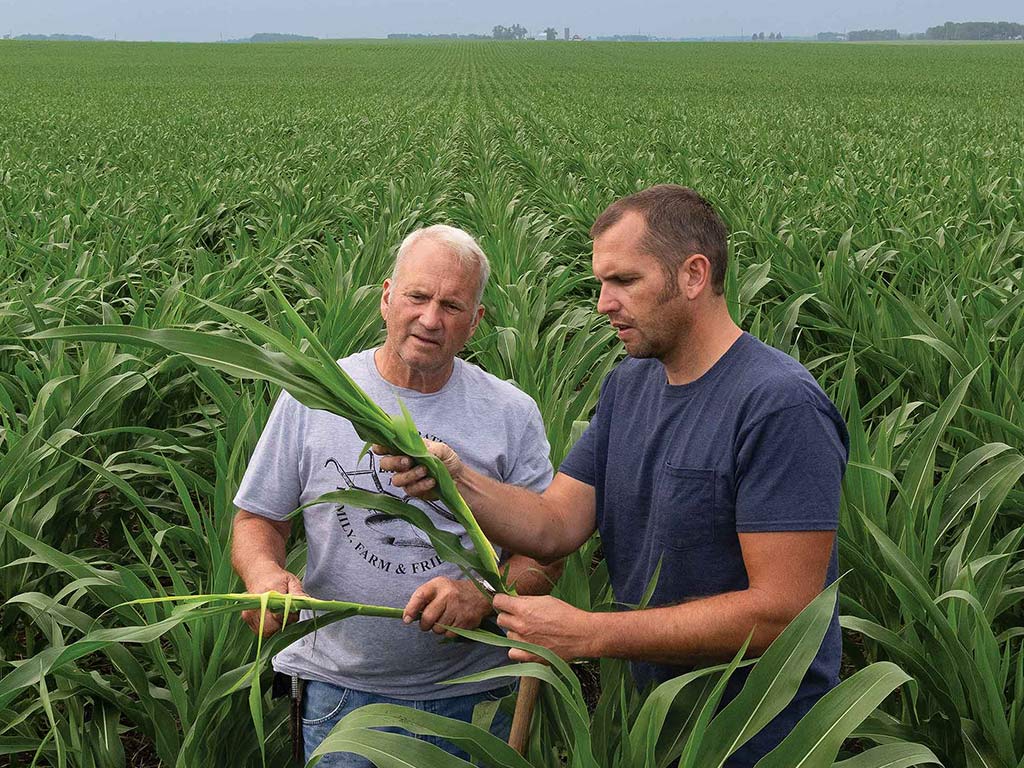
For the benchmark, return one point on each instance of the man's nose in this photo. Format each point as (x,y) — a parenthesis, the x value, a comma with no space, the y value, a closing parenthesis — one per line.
(431,316)
(606,301)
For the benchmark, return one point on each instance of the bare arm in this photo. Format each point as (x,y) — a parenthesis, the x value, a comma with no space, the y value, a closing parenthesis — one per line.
(546,526)
(786,571)
(258,551)
(531,577)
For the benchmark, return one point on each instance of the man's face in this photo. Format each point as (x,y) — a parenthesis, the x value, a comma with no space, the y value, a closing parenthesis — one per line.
(649,315)
(430,308)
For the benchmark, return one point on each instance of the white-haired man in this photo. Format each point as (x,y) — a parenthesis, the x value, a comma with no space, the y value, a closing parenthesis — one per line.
(431,307)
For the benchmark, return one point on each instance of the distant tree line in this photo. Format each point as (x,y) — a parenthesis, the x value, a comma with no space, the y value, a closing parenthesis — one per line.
(771,36)
(976,30)
(864,35)
(440,36)
(73,38)
(273,37)
(967,30)
(515,32)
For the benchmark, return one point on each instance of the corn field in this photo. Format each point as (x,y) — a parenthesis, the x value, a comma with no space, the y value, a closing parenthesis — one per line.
(875,199)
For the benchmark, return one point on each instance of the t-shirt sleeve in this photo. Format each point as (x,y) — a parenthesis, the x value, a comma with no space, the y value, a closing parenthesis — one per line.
(272,486)
(789,471)
(532,466)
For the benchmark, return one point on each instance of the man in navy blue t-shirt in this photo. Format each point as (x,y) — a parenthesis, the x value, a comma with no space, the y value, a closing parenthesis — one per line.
(709,451)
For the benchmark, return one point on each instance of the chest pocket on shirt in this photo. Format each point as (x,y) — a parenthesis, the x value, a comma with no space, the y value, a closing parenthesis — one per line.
(684,507)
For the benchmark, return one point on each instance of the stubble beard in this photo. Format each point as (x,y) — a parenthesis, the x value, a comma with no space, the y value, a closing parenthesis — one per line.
(656,341)
(645,349)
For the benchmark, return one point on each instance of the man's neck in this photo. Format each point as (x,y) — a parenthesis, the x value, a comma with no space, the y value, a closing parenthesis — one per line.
(707,340)
(396,371)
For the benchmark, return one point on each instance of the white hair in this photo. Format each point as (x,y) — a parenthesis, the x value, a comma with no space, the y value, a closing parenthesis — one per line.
(459,242)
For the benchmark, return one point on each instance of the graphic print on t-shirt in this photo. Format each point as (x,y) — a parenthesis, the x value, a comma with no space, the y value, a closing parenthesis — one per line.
(384,536)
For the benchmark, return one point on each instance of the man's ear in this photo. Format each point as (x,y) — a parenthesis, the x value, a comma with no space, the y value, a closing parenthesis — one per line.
(476,320)
(695,275)
(385,298)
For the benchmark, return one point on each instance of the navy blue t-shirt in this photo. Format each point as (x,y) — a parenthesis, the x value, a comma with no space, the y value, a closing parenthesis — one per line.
(679,470)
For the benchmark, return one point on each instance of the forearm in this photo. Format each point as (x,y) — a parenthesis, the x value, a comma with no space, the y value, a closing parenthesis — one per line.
(708,630)
(530,577)
(257,544)
(516,518)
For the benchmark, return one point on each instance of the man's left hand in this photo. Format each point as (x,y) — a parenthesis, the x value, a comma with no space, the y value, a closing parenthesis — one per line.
(547,621)
(444,602)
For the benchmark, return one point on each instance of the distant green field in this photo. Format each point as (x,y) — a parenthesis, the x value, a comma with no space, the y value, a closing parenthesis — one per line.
(875,196)
(813,137)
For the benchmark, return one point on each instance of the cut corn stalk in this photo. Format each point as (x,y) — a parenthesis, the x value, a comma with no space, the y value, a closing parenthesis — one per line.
(275,602)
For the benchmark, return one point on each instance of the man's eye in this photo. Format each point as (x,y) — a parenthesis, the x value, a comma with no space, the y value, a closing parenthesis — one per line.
(417,297)
(453,308)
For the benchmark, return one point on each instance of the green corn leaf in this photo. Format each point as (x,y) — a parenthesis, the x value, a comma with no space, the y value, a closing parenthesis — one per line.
(388,750)
(771,684)
(815,741)
(898,755)
(481,745)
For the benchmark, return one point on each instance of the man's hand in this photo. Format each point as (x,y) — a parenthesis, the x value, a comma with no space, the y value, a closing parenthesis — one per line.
(412,477)
(447,602)
(278,580)
(546,621)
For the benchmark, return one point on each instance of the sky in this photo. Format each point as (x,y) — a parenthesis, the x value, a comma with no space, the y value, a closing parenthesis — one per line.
(208,20)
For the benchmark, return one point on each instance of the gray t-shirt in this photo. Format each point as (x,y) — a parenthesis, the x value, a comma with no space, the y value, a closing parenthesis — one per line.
(366,557)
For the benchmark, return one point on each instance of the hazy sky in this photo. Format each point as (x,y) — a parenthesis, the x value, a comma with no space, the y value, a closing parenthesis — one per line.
(202,20)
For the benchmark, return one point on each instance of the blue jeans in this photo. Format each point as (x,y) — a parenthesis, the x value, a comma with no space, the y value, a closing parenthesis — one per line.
(324,705)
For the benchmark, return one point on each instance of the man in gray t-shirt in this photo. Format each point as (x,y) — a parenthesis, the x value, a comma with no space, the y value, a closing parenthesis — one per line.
(431,306)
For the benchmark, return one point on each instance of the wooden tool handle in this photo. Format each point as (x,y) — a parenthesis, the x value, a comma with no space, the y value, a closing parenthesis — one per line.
(518,738)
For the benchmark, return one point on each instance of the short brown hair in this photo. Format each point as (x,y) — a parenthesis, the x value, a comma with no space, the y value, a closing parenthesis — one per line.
(679,223)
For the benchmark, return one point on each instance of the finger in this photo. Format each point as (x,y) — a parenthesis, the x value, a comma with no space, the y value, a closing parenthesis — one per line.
(431,615)
(248,617)
(419,600)
(438,449)
(392,463)
(271,624)
(442,626)
(252,619)
(505,603)
(509,623)
(409,477)
(295,586)
(424,489)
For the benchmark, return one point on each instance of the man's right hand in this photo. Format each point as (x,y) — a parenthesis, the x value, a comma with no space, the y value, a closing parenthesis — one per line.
(277,580)
(412,477)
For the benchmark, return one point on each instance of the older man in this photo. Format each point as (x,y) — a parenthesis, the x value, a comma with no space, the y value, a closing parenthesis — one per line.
(431,307)
(710,453)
